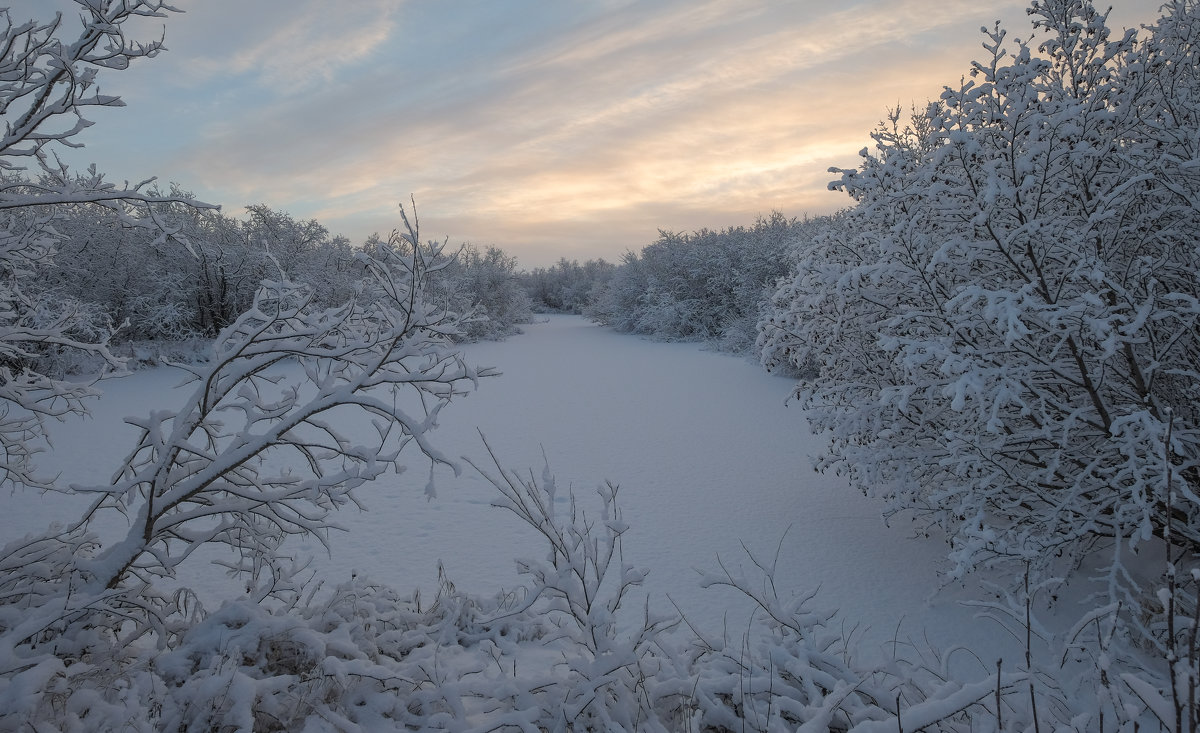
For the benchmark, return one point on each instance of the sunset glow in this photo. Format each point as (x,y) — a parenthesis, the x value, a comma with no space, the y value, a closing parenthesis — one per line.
(572,129)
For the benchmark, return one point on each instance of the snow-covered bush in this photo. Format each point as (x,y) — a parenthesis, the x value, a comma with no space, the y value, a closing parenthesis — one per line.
(359,654)
(609,677)
(560,652)
(251,458)
(566,286)
(1010,323)
(704,286)
(200,475)
(792,670)
(162,291)
(484,285)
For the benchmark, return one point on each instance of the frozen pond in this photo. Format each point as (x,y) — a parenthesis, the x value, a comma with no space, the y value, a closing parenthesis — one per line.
(705,450)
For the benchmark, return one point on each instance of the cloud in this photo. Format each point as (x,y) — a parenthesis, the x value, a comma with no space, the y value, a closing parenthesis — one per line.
(536,126)
(282,46)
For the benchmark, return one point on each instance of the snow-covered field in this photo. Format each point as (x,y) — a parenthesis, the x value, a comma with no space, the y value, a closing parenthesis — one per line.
(703,446)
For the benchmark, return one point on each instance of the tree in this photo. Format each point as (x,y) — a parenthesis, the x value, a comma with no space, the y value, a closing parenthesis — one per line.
(305,250)
(299,406)
(1008,328)
(127,274)
(706,285)
(46,85)
(566,286)
(205,473)
(484,284)
(199,474)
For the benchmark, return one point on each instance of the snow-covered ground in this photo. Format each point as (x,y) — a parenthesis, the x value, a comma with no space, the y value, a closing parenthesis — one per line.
(703,446)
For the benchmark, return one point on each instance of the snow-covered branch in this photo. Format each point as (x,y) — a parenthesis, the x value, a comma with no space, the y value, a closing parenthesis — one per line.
(1010,313)
(253,456)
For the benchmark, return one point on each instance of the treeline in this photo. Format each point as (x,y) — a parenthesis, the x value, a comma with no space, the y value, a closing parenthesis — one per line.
(705,285)
(198,272)
(566,286)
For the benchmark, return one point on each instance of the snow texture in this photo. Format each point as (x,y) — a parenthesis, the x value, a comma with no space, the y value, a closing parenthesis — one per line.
(703,445)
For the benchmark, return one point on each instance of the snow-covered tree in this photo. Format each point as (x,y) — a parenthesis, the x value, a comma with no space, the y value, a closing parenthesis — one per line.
(47,83)
(484,284)
(566,286)
(1009,324)
(129,275)
(706,285)
(306,251)
(199,475)
(247,460)
(298,406)
(159,290)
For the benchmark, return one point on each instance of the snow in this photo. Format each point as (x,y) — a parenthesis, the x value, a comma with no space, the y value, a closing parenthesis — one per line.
(703,445)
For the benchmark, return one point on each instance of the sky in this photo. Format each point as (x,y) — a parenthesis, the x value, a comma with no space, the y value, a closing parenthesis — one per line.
(572,129)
